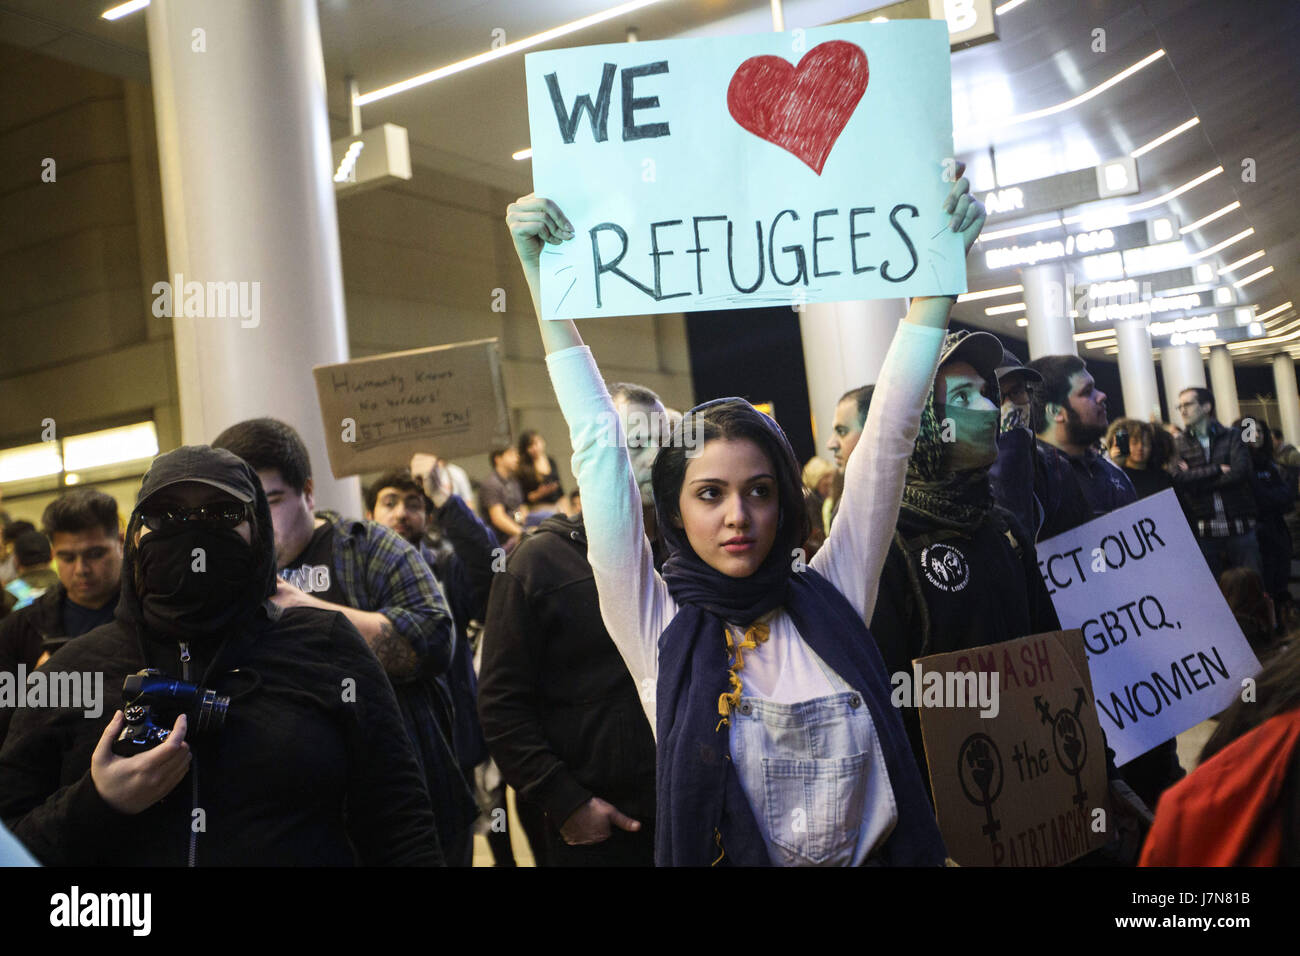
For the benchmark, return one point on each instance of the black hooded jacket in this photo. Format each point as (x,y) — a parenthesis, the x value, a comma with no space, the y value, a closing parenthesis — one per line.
(561,713)
(311,767)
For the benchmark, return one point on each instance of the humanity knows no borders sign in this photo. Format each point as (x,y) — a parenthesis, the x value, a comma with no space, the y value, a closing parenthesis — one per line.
(1163,647)
(743,172)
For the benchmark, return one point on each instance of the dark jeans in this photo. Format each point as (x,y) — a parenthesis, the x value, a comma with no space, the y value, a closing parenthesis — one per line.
(1236,551)
(621,849)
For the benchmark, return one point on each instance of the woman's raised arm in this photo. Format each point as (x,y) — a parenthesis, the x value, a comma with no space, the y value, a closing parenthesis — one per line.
(634,601)
(535,223)
(855,550)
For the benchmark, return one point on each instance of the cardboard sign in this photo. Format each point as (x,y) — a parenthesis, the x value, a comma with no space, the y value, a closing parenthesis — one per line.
(1020,788)
(741,172)
(1163,648)
(378,411)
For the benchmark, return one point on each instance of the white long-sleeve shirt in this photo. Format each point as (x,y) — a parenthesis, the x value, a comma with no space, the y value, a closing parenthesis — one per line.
(634,600)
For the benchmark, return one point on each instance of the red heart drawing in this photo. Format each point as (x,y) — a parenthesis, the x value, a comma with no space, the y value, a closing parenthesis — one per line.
(803,110)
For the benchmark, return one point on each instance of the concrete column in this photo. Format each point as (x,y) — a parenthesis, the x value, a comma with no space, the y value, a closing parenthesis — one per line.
(844,346)
(1288,401)
(1137,371)
(1182,368)
(1223,383)
(1051,330)
(248,199)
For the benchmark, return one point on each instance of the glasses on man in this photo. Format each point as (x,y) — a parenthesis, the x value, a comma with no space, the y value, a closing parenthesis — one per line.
(1184,406)
(212,517)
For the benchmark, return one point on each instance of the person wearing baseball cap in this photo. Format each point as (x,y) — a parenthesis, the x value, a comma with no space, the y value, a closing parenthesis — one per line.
(298,770)
(1012,476)
(962,571)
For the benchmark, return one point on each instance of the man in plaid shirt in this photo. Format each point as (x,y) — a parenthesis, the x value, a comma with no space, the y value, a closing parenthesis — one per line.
(380,583)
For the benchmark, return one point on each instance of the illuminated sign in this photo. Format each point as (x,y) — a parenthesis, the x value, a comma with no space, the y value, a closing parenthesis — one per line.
(1090,242)
(970,22)
(1116,177)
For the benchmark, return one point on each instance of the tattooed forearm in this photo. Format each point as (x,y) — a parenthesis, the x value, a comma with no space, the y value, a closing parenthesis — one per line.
(394,652)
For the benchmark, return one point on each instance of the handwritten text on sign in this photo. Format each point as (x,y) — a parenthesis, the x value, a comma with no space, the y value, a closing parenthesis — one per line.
(1028,786)
(380,410)
(746,171)
(1164,649)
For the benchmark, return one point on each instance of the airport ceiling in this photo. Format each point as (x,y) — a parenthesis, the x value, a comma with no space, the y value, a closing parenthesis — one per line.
(1234,65)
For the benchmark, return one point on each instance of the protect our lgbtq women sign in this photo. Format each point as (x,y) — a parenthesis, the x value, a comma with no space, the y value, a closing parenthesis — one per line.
(1163,648)
(740,172)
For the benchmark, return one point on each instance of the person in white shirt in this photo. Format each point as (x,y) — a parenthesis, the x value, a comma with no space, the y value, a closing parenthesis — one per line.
(738,633)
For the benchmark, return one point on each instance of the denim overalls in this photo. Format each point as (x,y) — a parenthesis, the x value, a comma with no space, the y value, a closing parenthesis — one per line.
(815,776)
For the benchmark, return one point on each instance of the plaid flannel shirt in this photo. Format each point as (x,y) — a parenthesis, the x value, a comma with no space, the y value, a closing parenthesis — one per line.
(380,571)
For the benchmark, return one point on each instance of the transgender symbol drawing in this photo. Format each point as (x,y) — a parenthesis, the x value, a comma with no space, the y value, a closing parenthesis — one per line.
(802,109)
(1069,740)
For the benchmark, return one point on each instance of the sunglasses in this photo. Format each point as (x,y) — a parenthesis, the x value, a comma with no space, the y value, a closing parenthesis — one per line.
(225,516)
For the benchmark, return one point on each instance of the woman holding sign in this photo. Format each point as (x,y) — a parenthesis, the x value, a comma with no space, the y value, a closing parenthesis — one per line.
(776,741)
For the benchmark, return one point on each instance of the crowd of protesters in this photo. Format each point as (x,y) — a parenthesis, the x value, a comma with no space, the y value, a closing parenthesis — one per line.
(663,677)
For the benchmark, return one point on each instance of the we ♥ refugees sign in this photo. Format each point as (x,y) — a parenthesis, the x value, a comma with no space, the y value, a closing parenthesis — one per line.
(739,172)
(1163,647)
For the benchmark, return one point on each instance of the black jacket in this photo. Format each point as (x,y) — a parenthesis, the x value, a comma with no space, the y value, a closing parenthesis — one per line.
(312,766)
(24,632)
(561,713)
(944,591)
(1204,478)
(461,559)
(28,633)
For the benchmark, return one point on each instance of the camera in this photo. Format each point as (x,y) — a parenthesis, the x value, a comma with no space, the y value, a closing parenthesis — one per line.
(151,704)
(1121,442)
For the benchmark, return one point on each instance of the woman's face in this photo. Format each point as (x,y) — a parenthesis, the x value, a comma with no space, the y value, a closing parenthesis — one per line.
(729,506)
(537,447)
(1137,451)
(825,486)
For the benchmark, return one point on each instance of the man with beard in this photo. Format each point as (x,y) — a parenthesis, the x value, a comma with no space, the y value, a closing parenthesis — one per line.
(310,766)
(962,571)
(1070,419)
(562,715)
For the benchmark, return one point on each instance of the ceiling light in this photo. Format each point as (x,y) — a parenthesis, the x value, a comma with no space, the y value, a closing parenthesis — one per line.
(1070,103)
(1210,218)
(30,461)
(523,154)
(1244,234)
(122,9)
(990,293)
(1190,184)
(487,57)
(1143,150)
(1007,7)
(1241,262)
(110,446)
(1022,322)
(1277,311)
(1019,230)
(1251,278)
(1004,309)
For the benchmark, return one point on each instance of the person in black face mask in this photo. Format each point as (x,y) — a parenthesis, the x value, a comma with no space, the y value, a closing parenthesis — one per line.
(311,765)
(962,571)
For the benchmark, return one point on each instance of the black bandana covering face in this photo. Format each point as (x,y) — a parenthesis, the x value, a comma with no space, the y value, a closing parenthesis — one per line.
(194,582)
